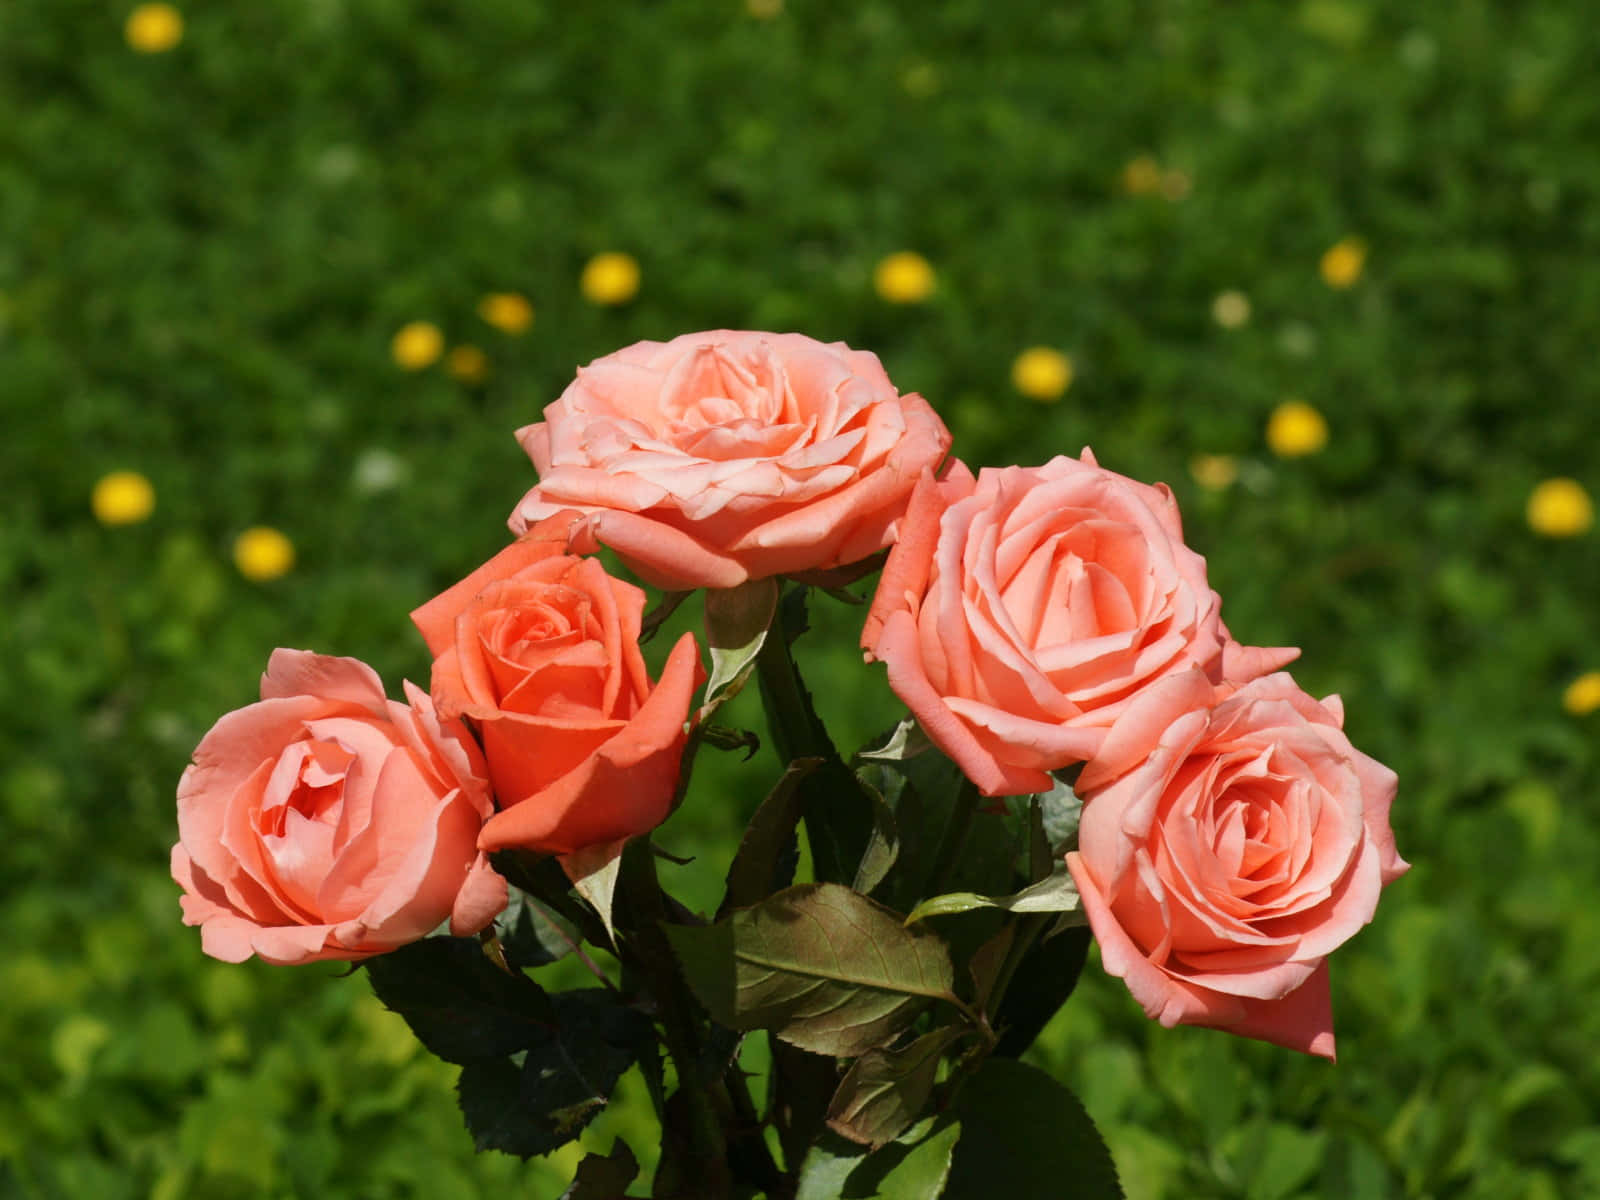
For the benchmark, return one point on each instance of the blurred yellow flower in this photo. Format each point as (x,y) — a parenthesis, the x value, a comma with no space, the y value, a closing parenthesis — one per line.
(153,28)
(1231,309)
(508,312)
(1296,429)
(76,1041)
(468,364)
(904,277)
(1560,508)
(763,10)
(1214,472)
(1342,262)
(1041,373)
(1175,184)
(1582,696)
(122,498)
(262,553)
(1141,176)
(921,80)
(417,345)
(611,278)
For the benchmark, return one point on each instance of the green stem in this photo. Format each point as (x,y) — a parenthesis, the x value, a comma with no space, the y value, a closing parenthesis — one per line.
(789,718)
(679,1024)
(955,837)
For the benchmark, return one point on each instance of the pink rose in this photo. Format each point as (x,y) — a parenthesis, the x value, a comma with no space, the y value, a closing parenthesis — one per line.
(1225,851)
(721,457)
(540,650)
(329,822)
(1020,612)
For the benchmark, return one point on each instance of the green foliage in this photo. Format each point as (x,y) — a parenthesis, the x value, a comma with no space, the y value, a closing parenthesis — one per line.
(204,254)
(821,966)
(460,1005)
(884,1091)
(1012,1131)
(564,1079)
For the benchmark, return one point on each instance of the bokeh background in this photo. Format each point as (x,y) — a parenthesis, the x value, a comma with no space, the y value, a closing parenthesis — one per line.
(1327,267)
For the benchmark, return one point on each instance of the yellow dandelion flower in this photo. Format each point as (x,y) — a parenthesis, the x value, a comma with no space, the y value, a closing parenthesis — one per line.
(610,279)
(1343,262)
(1231,309)
(468,364)
(1296,429)
(122,498)
(154,28)
(262,553)
(1560,508)
(1175,184)
(921,80)
(763,10)
(1141,176)
(904,277)
(508,312)
(1041,373)
(417,345)
(1214,472)
(1582,696)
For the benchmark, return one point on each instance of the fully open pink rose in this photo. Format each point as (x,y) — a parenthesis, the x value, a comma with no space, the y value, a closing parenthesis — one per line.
(328,822)
(1020,612)
(540,650)
(1225,851)
(721,457)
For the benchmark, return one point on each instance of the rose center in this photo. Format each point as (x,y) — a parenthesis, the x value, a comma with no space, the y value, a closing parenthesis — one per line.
(536,625)
(1084,581)
(316,790)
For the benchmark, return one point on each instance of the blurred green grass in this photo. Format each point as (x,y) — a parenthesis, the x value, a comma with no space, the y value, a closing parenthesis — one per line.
(205,253)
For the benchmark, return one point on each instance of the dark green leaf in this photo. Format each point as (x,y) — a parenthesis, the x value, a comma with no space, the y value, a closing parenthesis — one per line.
(1044,980)
(883,845)
(825,1173)
(838,813)
(490,1092)
(567,1077)
(1025,1135)
(821,966)
(542,877)
(884,1092)
(839,821)
(459,1004)
(604,1177)
(534,934)
(758,866)
(564,1080)
(914,1167)
(923,788)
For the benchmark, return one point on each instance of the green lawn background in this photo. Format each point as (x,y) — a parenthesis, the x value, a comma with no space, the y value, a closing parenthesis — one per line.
(204,255)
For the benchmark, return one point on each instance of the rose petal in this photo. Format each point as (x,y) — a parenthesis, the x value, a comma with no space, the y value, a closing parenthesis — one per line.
(482,898)
(623,788)
(296,673)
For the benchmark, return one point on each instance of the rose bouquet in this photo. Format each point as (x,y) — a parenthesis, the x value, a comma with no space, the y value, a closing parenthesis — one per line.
(1084,750)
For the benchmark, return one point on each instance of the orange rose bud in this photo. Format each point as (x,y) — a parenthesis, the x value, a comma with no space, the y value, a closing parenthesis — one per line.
(539,650)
